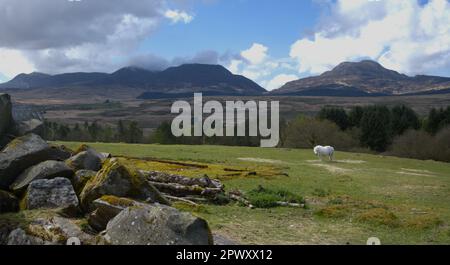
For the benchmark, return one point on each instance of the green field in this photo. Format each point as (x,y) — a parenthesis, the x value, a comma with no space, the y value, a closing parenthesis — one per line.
(400,201)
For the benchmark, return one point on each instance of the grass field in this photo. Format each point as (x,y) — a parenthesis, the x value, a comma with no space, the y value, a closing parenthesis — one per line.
(400,201)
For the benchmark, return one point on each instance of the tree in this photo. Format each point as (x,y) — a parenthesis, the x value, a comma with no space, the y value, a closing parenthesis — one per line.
(121,132)
(94,130)
(163,134)
(355,116)
(135,133)
(376,128)
(402,119)
(437,120)
(336,115)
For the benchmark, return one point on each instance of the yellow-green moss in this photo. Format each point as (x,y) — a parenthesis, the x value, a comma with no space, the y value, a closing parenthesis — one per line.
(117,201)
(423,222)
(187,207)
(23,203)
(195,170)
(379,216)
(334,211)
(81,148)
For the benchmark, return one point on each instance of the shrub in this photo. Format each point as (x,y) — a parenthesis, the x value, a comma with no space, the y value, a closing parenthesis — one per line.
(422,145)
(306,132)
(267,198)
(413,144)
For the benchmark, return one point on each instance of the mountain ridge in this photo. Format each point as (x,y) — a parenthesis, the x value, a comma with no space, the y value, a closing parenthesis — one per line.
(179,79)
(364,78)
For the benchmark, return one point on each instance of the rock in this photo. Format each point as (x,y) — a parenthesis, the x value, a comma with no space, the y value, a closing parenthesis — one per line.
(31,126)
(45,170)
(88,160)
(220,240)
(118,180)
(105,156)
(24,152)
(4,234)
(58,230)
(5,114)
(8,202)
(157,225)
(53,193)
(19,237)
(108,207)
(80,179)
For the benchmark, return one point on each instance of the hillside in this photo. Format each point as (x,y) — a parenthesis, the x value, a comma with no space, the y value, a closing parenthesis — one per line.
(188,78)
(365,78)
(400,201)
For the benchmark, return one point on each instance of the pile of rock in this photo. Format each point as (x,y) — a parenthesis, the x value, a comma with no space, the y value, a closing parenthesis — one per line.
(85,195)
(52,195)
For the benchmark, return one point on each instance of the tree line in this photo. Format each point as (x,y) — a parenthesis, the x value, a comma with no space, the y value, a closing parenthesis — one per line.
(398,131)
(127,132)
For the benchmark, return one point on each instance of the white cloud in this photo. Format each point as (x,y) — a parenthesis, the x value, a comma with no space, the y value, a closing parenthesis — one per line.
(178,16)
(401,34)
(255,54)
(63,36)
(279,80)
(13,62)
(256,64)
(235,66)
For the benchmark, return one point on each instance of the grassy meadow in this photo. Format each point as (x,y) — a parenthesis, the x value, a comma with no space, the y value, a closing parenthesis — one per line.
(400,201)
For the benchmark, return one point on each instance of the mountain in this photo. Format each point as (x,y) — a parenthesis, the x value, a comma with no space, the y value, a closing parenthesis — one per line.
(365,78)
(188,78)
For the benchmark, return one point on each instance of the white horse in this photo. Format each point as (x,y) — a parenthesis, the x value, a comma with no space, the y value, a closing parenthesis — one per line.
(324,151)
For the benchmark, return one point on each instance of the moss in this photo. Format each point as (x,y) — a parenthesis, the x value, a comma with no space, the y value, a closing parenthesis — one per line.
(334,211)
(116,201)
(187,207)
(138,186)
(423,222)
(379,216)
(23,203)
(196,170)
(23,218)
(81,148)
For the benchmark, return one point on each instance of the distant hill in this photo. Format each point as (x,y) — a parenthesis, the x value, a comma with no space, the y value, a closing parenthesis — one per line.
(365,78)
(184,79)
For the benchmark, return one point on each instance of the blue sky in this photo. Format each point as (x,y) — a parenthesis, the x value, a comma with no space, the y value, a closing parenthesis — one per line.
(269,41)
(231,26)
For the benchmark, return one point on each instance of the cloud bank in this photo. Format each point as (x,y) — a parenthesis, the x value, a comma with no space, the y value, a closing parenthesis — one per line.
(403,35)
(89,35)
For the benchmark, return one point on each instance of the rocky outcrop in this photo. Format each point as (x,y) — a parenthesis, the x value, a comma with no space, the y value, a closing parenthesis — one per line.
(53,193)
(118,180)
(8,202)
(88,160)
(25,152)
(5,114)
(157,225)
(45,170)
(80,179)
(106,208)
(31,126)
